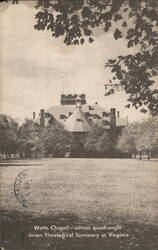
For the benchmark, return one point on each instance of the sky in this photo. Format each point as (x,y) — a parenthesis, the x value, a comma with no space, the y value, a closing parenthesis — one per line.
(35,69)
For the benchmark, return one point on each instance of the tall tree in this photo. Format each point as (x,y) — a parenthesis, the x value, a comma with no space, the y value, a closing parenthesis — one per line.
(140,137)
(29,138)
(56,141)
(148,135)
(127,141)
(98,142)
(8,135)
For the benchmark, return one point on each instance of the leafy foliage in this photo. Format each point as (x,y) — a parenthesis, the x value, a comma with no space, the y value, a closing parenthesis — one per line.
(148,135)
(135,73)
(8,135)
(52,140)
(98,141)
(29,138)
(55,140)
(134,20)
(127,141)
(138,137)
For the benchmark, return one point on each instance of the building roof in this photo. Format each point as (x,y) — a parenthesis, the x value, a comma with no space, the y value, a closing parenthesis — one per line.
(92,113)
(65,110)
(77,122)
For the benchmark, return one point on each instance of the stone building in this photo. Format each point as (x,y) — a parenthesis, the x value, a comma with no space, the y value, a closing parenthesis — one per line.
(78,116)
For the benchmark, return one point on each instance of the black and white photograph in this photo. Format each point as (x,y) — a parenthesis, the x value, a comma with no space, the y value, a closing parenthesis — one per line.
(79,124)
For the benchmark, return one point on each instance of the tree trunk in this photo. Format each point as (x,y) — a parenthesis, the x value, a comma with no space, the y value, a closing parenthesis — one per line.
(140,155)
(148,155)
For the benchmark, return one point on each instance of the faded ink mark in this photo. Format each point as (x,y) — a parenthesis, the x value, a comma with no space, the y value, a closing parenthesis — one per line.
(20,185)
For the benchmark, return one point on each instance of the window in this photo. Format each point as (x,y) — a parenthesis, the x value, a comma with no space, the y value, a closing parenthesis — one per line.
(62,116)
(105,114)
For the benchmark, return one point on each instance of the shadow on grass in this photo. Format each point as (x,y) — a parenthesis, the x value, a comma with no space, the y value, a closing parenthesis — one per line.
(16,227)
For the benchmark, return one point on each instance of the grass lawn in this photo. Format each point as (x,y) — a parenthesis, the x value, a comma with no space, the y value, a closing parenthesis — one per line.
(80,192)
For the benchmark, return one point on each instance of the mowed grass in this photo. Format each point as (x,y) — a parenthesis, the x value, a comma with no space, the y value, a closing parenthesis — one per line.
(85,192)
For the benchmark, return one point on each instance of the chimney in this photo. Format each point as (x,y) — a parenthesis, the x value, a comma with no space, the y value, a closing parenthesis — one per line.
(34,115)
(127,119)
(42,118)
(112,118)
(118,114)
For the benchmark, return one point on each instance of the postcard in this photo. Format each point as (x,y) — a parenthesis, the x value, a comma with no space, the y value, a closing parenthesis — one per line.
(78,124)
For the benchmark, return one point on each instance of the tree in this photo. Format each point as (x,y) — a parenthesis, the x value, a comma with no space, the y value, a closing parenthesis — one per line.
(8,135)
(56,141)
(140,137)
(77,145)
(128,138)
(98,142)
(29,138)
(134,20)
(147,140)
(51,140)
